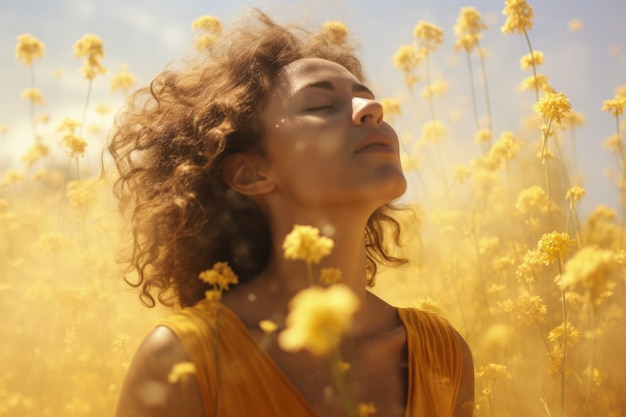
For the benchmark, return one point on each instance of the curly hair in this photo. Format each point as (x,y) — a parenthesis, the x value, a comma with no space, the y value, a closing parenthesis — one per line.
(169,143)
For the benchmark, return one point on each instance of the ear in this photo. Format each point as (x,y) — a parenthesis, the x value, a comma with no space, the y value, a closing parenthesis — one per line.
(244,173)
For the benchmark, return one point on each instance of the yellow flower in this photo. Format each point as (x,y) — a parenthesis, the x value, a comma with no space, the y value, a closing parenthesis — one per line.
(529,267)
(76,145)
(433,131)
(530,60)
(526,309)
(519,17)
(556,334)
(304,242)
(613,144)
(366,410)
(4,128)
(123,80)
(575,194)
(505,149)
(330,276)
(268,326)
(90,46)
(52,242)
(615,106)
(181,371)
(42,118)
(213,296)
(34,95)
(407,58)
(428,35)
(482,136)
(531,200)
(435,89)
(35,153)
(553,106)
(69,125)
(467,29)
(28,49)
(210,24)
(533,82)
(220,276)
(461,173)
(590,268)
(575,25)
(337,32)
(574,119)
(80,194)
(204,41)
(494,372)
(390,107)
(11,176)
(208,28)
(554,245)
(317,318)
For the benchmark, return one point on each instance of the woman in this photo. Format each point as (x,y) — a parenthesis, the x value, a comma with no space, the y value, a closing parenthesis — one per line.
(218,161)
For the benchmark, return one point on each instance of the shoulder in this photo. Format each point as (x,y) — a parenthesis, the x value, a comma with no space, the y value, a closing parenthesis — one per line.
(443,338)
(465,398)
(147,390)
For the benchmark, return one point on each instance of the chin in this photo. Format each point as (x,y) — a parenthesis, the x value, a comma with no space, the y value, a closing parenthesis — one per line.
(392,186)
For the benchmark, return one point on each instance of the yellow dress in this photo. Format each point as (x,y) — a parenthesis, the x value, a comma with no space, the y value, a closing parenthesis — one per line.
(251,383)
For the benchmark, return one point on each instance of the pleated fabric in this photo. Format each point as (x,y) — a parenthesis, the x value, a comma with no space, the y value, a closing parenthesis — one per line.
(237,378)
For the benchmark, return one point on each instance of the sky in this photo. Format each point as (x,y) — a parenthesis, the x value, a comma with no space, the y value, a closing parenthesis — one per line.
(146,35)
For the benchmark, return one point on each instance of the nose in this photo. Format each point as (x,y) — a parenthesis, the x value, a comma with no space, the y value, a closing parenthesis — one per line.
(365,110)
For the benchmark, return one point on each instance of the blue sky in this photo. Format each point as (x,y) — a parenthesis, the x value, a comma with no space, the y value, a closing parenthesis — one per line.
(147,34)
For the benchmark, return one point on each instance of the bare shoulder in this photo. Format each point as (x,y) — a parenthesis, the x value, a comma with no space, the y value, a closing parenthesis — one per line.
(147,391)
(465,398)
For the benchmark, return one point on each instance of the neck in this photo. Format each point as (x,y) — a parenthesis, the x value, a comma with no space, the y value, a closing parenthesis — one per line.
(346,228)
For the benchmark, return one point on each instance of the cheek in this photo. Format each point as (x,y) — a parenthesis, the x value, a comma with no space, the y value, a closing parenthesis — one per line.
(311,139)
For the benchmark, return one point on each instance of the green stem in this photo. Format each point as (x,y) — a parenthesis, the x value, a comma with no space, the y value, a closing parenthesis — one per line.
(592,320)
(309,272)
(564,355)
(487,99)
(345,389)
(622,184)
(544,145)
(471,75)
(82,122)
(530,47)
(32,104)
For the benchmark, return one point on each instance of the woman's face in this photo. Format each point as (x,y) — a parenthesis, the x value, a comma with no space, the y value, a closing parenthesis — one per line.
(326,139)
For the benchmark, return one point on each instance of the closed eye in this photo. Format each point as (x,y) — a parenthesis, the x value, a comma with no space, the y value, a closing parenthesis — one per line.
(319,108)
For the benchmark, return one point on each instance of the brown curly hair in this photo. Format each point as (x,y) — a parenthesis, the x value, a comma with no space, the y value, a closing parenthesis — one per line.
(169,143)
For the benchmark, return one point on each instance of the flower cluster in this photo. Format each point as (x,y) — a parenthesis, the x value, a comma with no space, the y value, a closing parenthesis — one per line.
(90,46)
(75,144)
(317,318)
(553,106)
(428,35)
(305,243)
(467,30)
(519,17)
(220,278)
(554,245)
(28,49)
(207,29)
(122,80)
(336,32)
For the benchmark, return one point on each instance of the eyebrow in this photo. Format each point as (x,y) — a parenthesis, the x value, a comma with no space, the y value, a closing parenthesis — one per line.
(327,85)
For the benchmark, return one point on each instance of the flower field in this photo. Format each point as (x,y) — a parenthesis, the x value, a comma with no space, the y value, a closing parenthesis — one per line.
(495,236)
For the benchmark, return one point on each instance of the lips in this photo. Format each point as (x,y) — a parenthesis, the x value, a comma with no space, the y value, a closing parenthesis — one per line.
(376,142)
